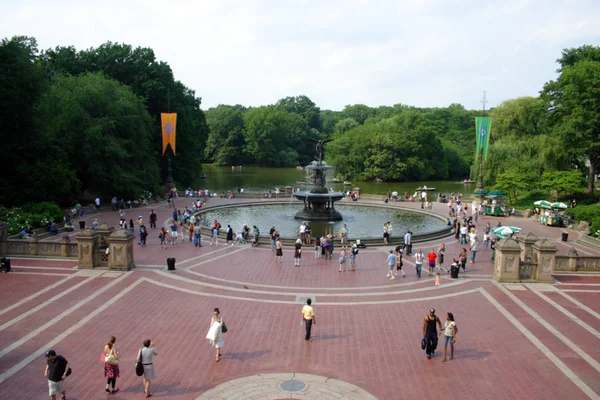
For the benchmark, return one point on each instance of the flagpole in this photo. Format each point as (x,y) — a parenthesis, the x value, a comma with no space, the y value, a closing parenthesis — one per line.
(480,176)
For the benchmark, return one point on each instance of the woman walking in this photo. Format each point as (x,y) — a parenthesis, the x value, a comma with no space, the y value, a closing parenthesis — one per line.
(297,252)
(342,259)
(317,247)
(111,365)
(278,250)
(353,253)
(162,235)
(473,247)
(229,239)
(146,354)
(441,251)
(385,233)
(463,259)
(449,335)
(216,333)
(399,263)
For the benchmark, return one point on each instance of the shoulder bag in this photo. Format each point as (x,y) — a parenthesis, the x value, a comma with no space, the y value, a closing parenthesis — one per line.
(139,367)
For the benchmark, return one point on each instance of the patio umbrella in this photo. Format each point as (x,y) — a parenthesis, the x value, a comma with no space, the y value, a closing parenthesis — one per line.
(543,204)
(496,193)
(560,205)
(502,232)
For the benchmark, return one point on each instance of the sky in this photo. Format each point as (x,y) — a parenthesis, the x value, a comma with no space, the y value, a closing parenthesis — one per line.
(424,53)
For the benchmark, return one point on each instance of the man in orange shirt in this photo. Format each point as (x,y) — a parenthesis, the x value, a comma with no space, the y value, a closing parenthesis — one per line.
(431,259)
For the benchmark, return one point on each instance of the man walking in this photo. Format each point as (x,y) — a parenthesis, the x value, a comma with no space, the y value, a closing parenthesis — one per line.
(419,257)
(463,233)
(391,260)
(431,259)
(152,219)
(308,316)
(430,332)
(56,372)
(197,240)
(97,202)
(408,243)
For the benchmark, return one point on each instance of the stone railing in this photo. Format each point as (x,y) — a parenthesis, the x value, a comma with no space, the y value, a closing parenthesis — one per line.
(572,262)
(33,247)
(589,241)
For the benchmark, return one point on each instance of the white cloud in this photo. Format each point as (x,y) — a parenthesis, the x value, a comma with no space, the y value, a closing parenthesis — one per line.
(418,52)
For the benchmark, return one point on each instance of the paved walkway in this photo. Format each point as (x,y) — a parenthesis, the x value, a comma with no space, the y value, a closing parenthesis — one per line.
(515,341)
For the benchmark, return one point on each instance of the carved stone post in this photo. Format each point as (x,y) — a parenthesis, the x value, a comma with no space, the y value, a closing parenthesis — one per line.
(33,244)
(572,259)
(527,241)
(3,237)
(546,252)
(87,241)
(64,245)
(104,231)
(506,264)
(120,256)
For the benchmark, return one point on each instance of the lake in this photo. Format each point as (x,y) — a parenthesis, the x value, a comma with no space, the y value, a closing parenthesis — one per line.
(257,179)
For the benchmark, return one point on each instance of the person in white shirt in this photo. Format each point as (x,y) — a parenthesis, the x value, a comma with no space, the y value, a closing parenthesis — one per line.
(419,257)
(463,234)
(97,201)
(449,335)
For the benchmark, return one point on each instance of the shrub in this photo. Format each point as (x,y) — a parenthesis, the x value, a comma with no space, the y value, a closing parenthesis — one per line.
(36,215)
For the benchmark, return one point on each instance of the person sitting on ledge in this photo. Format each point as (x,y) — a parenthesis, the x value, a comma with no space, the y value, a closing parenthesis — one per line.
(52,229)
(95,224)
(24,234)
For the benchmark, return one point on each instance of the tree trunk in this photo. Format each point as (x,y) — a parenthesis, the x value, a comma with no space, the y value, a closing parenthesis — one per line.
(591,177)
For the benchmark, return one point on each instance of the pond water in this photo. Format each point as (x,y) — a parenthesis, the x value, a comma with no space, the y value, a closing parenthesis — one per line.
(362,221)
(256,179)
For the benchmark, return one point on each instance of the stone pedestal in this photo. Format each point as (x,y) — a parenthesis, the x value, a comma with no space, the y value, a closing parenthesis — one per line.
(64,245)
(120,255)
(572,254)
(527,241)
(507,259)
(104,231)
(33,244)
(87,240)
(545,254)
(3,238)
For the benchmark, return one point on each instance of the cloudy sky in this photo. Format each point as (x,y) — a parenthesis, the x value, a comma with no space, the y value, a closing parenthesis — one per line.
(375,52)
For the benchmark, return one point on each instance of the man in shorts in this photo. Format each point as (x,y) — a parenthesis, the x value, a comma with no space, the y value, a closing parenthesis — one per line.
(56,372)
(391,260)
(431,260)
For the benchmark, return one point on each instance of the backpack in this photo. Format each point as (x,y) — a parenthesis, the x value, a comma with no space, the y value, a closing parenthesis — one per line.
(355,250)
(218,225)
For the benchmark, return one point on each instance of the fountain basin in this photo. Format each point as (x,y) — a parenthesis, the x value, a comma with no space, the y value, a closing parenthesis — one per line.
(319,206)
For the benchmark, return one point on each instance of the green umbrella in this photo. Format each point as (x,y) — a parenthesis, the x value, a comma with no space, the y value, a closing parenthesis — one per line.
(543,204)
(560,205)
(502,232)
(496,193)
(480,191)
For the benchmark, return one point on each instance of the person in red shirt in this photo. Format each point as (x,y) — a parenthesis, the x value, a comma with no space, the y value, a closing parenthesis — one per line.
(431,259)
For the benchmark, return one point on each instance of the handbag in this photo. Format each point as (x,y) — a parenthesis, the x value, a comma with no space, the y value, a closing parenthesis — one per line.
(111,359)
(139,367)
(423,344)
(102,356)
(223,328)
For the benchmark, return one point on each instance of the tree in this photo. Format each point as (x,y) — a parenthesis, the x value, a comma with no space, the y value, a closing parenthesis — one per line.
(573,101)
(104,131)
(345,125)
(304,107)
(358,112)
(513,182)
(567,182)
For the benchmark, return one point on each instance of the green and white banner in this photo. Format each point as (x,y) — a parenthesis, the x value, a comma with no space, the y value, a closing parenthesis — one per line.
(483,127)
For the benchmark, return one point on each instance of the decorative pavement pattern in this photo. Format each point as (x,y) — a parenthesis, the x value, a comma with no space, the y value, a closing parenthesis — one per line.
(517,341)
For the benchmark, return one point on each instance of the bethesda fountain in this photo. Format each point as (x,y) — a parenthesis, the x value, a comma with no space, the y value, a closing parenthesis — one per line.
(318,201)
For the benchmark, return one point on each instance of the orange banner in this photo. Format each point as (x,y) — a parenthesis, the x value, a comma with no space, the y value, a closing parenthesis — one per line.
(169,123)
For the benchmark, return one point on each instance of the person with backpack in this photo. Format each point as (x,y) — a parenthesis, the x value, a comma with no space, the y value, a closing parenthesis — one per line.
(450,331)
(353,253)
(143,235)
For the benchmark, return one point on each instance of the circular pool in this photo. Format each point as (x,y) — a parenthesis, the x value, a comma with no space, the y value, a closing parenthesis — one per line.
(363,221)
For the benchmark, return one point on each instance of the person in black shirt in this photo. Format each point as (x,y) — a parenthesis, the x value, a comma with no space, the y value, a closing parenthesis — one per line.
(430,332)
(56,372)
(152,219)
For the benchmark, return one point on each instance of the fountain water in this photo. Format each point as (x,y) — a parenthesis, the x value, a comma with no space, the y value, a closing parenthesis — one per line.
(319,201)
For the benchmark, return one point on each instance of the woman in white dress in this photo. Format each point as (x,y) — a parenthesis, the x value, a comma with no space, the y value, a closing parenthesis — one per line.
(215,335)
(148,352)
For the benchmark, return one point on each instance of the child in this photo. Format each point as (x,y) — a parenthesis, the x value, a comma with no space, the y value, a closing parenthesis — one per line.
(486,241)
(437,279)
(342,259)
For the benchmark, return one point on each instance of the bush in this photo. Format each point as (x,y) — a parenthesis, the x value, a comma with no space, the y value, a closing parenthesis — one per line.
(36,215)
(590,213)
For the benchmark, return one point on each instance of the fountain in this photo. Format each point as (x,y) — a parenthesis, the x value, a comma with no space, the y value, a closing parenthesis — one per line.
(319,201)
